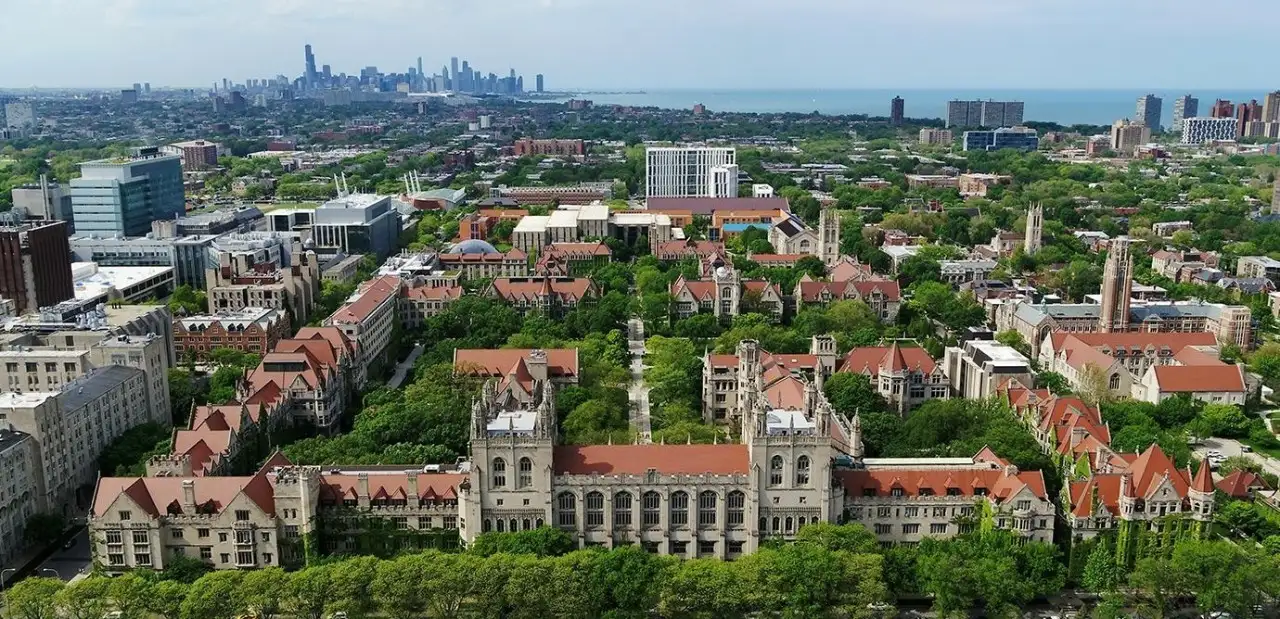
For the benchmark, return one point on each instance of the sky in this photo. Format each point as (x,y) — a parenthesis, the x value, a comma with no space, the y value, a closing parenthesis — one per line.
(633,44)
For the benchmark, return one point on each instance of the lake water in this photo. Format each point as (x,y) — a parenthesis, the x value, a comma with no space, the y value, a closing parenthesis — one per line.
(1096,107)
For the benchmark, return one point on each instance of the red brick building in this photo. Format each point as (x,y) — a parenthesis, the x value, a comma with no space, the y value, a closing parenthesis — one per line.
(252,330)
(560,148)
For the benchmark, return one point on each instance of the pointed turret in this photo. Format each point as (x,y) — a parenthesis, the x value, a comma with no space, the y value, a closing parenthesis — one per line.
(1203,481)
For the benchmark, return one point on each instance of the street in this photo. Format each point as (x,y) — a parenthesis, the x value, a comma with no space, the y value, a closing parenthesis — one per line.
(71,561)
(1231,447)
(638,392)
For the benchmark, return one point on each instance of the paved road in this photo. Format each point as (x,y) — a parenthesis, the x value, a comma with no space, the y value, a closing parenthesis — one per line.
(404,367)
(638,392)
(70,561)
(1231,447)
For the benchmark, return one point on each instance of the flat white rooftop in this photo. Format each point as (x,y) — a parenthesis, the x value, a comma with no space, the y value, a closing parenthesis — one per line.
(533,223)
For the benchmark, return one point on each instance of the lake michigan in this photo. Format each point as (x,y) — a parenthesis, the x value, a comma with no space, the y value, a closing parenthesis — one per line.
(1067,107)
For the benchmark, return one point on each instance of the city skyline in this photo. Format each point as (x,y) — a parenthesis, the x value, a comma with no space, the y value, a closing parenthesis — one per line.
(262,39)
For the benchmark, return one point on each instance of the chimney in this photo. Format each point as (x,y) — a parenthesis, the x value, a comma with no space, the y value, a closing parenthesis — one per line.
(537,364)
(188,496)
(362,488)
(412,488)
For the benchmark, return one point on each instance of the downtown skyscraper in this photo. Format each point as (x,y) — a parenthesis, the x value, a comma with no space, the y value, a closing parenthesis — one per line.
(310,71)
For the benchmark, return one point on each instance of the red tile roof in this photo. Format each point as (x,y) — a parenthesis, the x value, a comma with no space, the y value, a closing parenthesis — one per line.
(532,288)
(870,360)
(813,292)
(1199,378)
(1239,484)
(372,295)
(967,480)
(674,250)
(334,487)
(561,362)
(729,459)
(1153,466)
(333,335)
(434,293)
(160,495)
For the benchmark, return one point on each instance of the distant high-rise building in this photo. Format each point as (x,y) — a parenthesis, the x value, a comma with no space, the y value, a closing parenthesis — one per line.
(421,77)
(1222,109)
(684,171)
(309,78)
(138,87)
(128,96)
(35,265)
(1271,107)
(538,79)
(456,84)
(1126,136)
(122,196)
(326,72)
(897,109)
(1013,111)
(936,136)
(237,103)
(19,116)
(1184,107)
(219,105)
(1275,198)
(1201,130)
(1150,109)
(146,88)
(1245,114)
(993,114)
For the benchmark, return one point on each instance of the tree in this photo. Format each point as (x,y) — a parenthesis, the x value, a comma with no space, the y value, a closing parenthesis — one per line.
(33,598)
(309,592)
(1014,339)
(264,589)
(540,542)
(44,529)
(703,589)
(1056,383)
(215,596)
(1094,384)
(851,393)
(86,599)
(1224,420)
(166,599)
(1101,572)
(832,537)
(130,594)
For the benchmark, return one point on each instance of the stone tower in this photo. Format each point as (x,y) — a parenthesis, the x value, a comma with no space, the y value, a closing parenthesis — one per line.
(1035,230)
(829,236)
(1117,287)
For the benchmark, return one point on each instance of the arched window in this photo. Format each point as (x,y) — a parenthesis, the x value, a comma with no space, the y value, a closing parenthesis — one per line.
(777,524)
(502,525)
(486,526)
(736,504)
(1115,382)
(651,516)
(802,471)
(526,473)
(511,526)
(538,523)
(679,509)
(567,506)
(525,525)
(707,509)
(764,525)
(622,510)
(595,509)
(499,473)
(775,471)
(790,528)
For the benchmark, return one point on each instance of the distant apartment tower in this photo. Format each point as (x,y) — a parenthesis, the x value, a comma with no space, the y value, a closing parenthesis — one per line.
(195,154)
(1275,198)
(1222,109)
(1150,109)
(538,81)
(122,196)
(35,265)
(724,182)
(19,116)
(992,114)
(129,96)
(1184,107)
(1201,130)
(933,136)
(1247,113)
(683,171)
(1126,136)
(1018,138)
(1271,107)
(897,109)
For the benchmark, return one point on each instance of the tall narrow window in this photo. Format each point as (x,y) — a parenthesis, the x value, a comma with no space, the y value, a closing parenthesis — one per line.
(736,504)
(595,509)
(652,514)
(567,506)
(802,471)
(499,473)
(679,509)
(526,473)
(707,509)
(622,510)
(775,471)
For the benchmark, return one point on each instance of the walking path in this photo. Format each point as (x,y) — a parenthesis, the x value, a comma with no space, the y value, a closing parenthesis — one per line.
(404,367)
(638,392)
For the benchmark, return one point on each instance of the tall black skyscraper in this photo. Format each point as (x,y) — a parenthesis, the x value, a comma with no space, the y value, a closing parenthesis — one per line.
(896,111)
(310,77)
(455,84)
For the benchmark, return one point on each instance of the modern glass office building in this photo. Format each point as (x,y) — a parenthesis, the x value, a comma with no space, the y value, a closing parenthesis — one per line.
(1018,138)
(122,196)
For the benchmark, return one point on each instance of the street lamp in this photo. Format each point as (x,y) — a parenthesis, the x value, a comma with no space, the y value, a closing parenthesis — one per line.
(49,569)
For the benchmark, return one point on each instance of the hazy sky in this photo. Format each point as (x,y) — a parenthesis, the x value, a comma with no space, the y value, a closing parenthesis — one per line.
(647,43)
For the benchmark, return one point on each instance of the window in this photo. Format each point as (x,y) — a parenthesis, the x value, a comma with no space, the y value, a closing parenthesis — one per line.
(140,537)
(202,533)
(176,533)
(222,536)
(401,522)
(938,528)
(206,553)
(883,529)
(499,473)
(736,503)
(526,473)
(142,558)
(502,525)
(1023,505)
(883,511)
(1115,382)
(114,537)
(244,557)
(911,512)
(775,471)
(622,509)
(567,505)
(707,509)
(451,522)
(242,515)
(706,549)
(595,509)
(939,512)
(680,548)
(226,558)
(244,536)
(790,526)
(802,471)
(910,529)
(651,516)
(266,537)
(116,559)
(125,515)
(895,492)
(424,522)
(679,509)
(291,531)
(266,558)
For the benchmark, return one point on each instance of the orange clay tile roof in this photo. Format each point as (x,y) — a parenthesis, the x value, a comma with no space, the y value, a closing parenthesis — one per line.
(333,335)
(1238,484)
(870,360)
(561,362)
(372,295)
(434,293)
(787,393)
(1199,378)
(729,459)
(538,287)
(966,480)
(849,289)
(334,487)
(161,495)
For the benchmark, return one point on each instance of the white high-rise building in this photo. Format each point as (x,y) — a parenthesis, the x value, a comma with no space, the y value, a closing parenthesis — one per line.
(724,182)
(19,115)
(1200,130)
(684,171)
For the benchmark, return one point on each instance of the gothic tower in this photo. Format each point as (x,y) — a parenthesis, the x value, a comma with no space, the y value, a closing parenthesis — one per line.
(829,236)
(1117,287)
(1035,230)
